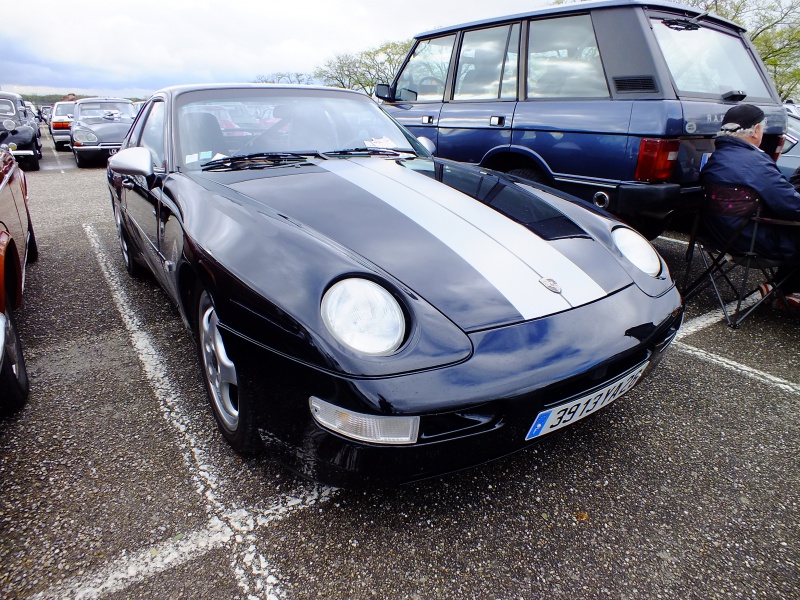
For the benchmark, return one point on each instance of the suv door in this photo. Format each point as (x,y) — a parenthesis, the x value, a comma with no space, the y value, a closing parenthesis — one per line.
(478,119)
(421,86)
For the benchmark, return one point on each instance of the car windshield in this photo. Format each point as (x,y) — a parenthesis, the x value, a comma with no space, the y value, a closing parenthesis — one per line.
(6,108)
(707,61)
(215,124)
(102,109)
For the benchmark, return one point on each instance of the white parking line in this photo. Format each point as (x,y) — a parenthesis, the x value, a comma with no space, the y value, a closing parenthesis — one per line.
(231,526)
(118,575)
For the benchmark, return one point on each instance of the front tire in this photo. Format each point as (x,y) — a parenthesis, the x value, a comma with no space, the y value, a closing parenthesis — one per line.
(133,268)
(14,384)
(232,411)
(79,160)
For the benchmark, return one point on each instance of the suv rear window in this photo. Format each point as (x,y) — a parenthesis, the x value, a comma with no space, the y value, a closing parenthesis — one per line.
(706,61)
(62,110)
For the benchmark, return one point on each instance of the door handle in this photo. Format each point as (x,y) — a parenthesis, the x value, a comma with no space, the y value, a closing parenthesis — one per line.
(497,121)
(427,120)
(127,183)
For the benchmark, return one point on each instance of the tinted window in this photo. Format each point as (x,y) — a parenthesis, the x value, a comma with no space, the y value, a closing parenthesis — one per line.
(707,61)
(426,71)
(563,60)
(487,64)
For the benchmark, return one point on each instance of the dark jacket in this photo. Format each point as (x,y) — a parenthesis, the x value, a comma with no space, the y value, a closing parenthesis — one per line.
(737,162)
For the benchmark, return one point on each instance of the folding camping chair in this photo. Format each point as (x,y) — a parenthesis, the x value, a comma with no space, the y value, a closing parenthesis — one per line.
(720,258)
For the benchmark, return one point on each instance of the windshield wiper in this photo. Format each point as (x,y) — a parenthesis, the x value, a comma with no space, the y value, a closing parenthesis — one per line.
(257,160)
(364,151)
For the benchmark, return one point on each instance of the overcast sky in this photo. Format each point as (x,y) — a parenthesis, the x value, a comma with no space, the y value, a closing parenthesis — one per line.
(133,48)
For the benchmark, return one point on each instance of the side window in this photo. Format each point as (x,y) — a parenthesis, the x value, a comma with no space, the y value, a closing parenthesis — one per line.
(487,64)
(153,135)
(563,60)
(426,71)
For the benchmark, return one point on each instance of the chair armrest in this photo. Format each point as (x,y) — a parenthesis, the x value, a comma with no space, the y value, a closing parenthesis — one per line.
(771,221)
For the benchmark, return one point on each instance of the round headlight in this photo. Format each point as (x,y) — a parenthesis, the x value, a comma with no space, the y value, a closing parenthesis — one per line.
(83,136)
(364,317)
(637,250)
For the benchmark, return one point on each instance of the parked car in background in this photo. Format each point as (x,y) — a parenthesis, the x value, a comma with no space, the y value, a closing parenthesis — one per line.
(99,125)
(60,121)
(46,114)
(614,101)
(370,314)
(17,249)
(20,134)
(789,160)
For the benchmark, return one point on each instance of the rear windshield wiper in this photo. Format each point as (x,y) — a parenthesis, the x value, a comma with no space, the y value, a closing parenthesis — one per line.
(258,160)
(684,24)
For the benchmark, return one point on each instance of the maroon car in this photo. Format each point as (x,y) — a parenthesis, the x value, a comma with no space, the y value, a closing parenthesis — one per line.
(17,248)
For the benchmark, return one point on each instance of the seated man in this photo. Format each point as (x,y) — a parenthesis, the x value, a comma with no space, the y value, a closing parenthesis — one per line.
(738,160)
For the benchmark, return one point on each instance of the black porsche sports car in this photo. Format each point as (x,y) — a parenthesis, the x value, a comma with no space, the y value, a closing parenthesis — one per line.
(371,314)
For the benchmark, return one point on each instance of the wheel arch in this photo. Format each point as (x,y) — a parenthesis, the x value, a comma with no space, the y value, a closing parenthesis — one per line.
(515,157)
(11,282)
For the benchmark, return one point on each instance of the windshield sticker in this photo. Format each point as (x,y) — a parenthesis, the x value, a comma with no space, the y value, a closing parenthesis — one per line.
(205,155)
(191,158)
(383,142)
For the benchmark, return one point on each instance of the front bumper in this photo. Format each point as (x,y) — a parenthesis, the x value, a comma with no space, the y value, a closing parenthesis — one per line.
(471,412)
(98,150)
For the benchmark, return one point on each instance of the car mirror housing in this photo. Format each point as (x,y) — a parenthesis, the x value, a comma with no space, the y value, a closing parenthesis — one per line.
(427,144)
(135,161)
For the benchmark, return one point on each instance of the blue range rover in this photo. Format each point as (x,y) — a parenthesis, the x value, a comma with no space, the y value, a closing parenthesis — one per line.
(613,101)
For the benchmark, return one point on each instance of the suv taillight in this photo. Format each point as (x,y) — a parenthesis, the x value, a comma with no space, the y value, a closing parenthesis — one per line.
(657,157)
(779,148)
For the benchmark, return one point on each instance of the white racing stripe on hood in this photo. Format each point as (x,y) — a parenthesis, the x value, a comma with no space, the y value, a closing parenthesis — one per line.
(508,255)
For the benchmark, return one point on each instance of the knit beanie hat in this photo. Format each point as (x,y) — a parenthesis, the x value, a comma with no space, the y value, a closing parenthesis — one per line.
(742,116)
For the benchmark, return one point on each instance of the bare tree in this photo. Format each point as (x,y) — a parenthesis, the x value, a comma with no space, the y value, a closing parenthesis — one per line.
(774,28)
(363,70)
(301,78)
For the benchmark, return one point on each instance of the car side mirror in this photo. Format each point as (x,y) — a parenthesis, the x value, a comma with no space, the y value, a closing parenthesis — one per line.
(136,161)
(384,92)
(427,144)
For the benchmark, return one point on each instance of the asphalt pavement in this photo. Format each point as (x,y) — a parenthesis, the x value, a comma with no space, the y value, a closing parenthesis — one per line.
(114,482)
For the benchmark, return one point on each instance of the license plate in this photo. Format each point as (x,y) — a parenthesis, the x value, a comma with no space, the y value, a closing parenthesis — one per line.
(575,410)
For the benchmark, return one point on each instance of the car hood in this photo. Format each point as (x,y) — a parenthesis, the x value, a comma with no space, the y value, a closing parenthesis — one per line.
(104,129)
(431,226)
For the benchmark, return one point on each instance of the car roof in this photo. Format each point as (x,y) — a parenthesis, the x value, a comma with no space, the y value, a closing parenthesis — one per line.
(101,99)
(10,95)
(180,89)
(583,7)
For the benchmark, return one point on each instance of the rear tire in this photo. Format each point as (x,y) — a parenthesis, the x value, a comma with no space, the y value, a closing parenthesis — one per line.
(529,174)
(232,410)
(14,384)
